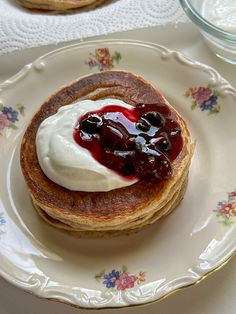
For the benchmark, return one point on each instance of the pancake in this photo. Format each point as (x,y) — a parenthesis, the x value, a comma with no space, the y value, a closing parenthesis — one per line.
(117,211)
(113,233)
(61,6)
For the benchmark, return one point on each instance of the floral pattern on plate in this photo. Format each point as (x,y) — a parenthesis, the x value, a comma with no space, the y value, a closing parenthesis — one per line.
(9,116)
(103,60)
(204,98)
(226,209)
(118,280)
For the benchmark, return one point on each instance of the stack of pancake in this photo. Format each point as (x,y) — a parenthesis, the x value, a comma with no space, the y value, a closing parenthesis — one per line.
(61,6)
(119,211)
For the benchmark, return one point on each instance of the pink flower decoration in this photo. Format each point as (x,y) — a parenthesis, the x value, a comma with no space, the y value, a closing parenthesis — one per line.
(102,59)
(201,94)
(125,281)
(228,209)
(232,194)
(105,63)
(4,122)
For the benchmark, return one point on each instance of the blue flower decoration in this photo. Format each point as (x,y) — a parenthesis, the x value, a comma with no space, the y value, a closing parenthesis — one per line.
(209,104)
(110,279)
(12,114)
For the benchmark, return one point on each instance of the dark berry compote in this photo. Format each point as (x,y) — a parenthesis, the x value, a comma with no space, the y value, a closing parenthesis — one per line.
(141,142)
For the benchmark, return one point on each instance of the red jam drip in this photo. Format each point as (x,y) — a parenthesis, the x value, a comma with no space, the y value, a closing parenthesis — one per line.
(141,142)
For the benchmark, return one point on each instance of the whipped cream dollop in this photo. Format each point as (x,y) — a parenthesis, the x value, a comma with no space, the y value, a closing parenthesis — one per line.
(221,13)
(64,161)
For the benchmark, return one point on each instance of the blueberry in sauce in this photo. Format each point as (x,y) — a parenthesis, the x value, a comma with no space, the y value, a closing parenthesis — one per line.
(143,125)
(114,136)
(135,143)
(165,145)
(91,124)
(154,118)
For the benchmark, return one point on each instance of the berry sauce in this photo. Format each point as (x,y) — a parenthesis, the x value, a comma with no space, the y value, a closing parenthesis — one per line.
(141,142)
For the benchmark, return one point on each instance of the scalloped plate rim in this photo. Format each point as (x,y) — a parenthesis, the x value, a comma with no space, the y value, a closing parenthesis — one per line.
(195,64)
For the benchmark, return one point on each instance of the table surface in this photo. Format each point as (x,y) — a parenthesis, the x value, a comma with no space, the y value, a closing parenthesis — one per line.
(216,294)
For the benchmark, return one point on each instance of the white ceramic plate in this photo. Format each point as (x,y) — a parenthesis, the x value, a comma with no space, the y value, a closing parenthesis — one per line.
(178,251)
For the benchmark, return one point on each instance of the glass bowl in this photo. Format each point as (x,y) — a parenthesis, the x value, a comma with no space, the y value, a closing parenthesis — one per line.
(222,42)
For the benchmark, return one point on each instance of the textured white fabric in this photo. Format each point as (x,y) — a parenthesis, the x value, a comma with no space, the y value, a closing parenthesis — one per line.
(21,29)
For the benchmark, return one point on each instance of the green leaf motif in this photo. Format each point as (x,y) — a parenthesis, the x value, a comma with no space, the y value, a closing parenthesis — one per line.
(99,276)
(21,109)
(112,289)
(194,105)
(13,126)
(214,110)
(224,219)
(227,221)
(1,106)
(216,93)
(117,56)
(92,55)
(211,112)
(98,279)
(124,269)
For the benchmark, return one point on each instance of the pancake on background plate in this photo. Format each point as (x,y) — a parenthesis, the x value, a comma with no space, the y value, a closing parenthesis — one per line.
(136,156)
(61,6)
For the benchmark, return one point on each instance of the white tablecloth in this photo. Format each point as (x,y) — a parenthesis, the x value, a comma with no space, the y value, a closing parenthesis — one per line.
(21,29)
